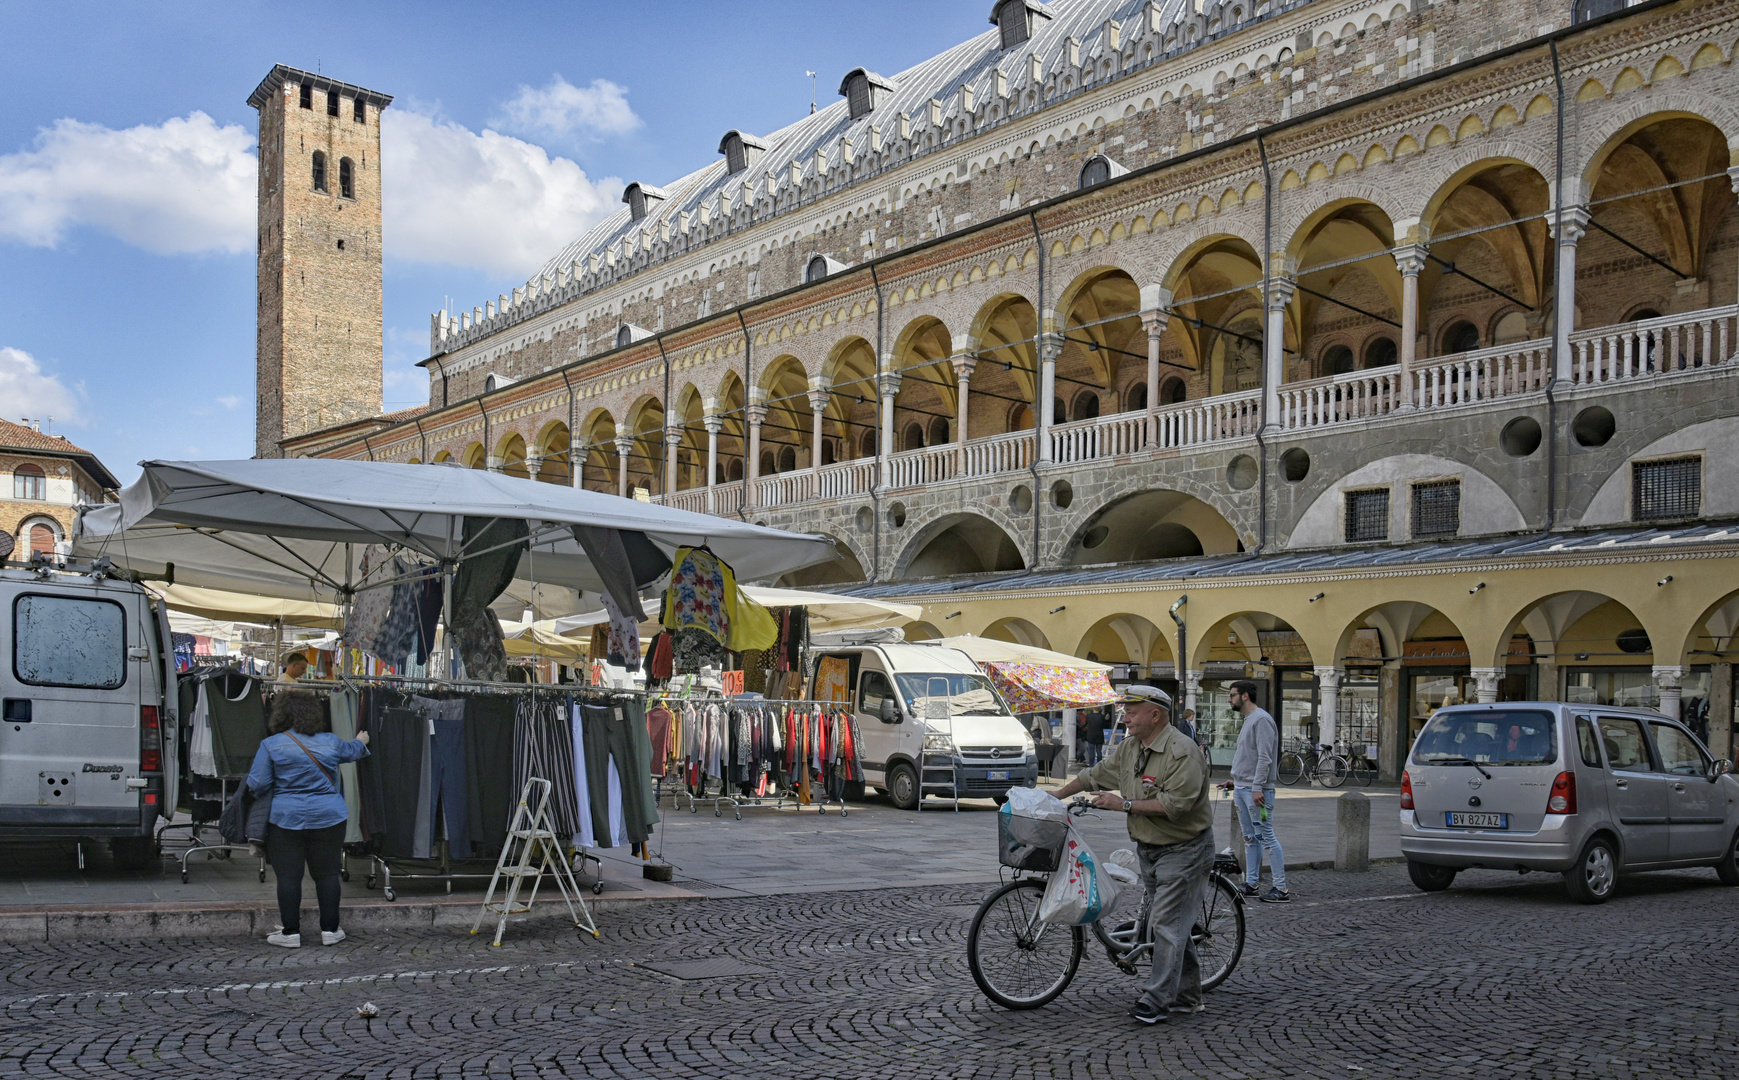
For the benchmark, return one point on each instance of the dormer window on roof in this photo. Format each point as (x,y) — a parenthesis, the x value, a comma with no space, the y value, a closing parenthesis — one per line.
(861,89)
(642,198)
(1015,19)
(822,266)
(740,150)
(628,333)
(1098,170)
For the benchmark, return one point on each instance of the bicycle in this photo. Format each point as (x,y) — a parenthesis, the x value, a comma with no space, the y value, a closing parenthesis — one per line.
(1361,767)
(1020,962)
(1301,761)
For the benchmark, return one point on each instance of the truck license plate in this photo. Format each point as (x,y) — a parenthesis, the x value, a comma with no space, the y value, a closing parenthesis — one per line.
(1461,819)
(998,774)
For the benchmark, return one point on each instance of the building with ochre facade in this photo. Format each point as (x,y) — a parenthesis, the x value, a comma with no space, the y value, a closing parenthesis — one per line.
(1382,351)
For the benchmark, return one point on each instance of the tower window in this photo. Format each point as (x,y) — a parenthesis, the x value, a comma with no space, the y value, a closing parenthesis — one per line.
(361,113)
(319,171)
(1664,490)
(332,103)
(1367,515)
(346,179)
(307,95)
(29,482)
(1437,508)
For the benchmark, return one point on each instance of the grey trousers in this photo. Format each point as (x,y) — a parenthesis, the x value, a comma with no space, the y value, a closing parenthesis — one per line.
(1174,877)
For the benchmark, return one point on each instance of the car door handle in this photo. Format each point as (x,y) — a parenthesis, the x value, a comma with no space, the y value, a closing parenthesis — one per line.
(1678,787)
(1621,783)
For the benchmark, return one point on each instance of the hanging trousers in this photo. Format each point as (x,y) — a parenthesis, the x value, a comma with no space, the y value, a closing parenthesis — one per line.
(447,795)
(610,740)
(396,758)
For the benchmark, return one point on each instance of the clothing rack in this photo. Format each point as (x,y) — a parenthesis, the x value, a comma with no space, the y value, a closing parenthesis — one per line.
(227,788)
(738,802)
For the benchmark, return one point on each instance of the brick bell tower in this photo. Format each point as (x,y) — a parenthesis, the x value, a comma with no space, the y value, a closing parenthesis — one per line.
(318,350)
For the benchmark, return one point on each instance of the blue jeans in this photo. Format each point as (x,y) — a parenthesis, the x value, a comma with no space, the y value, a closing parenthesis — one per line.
(1259,836)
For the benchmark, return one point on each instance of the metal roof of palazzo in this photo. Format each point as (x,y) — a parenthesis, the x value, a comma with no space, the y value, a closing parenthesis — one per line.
(1593,543)
(813,142)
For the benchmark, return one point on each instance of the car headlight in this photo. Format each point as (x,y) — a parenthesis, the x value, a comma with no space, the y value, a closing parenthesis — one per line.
(940,744)
(1027,746)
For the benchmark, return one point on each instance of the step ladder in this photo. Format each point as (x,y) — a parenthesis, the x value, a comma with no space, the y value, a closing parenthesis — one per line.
(530,852)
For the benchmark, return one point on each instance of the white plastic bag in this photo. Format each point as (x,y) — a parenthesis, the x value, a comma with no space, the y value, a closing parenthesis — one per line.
(1080,891)
(1123,866)
(1031,828)
(1035,803)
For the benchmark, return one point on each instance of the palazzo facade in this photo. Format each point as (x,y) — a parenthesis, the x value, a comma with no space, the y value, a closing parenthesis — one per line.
(1400,341)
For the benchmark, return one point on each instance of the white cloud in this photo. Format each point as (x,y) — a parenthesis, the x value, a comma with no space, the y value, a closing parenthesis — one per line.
(485,200)
(28,392)
(180,187)
(229,401)
(561,108)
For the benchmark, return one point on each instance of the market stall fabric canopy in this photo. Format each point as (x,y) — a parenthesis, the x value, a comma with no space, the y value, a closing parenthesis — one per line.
(828,612)
(1037,680)
(296,528)
(233,607)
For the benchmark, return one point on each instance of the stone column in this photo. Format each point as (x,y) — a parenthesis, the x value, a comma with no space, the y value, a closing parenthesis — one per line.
(1280,291)
(577,452)
(492,463)
(820,393)
(1050,347)
(533,465)
(672,440)
(1564,303)
(1669,678)
(1733,175)
(964,365)
(1154,321)
(1721,710)
(756,412)
(713,424)
(1486,681)
(888,385)
(1328,702)
(1410,260)
(624,448)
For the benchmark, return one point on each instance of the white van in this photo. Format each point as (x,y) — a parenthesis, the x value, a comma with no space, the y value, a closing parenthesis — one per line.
(929,708)
(86,695)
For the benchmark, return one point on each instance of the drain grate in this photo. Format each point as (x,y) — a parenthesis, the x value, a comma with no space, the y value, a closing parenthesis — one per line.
(713,967)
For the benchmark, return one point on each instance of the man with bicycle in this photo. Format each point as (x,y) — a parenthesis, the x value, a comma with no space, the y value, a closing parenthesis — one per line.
(1159,779)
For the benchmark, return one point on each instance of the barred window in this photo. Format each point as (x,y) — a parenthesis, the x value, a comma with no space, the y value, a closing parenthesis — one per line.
(361,111)
(307,95)
(1437,508)
(319,171)
(1367,515)
(332,103)
(1662,490)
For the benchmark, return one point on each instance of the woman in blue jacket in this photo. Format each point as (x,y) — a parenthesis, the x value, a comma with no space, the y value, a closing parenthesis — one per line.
(300,768)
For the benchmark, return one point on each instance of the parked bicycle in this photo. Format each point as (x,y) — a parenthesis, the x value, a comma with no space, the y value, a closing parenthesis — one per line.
(1021,962)
(1303,761)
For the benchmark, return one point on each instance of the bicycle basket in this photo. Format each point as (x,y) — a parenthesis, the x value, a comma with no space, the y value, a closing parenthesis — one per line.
(1029,843)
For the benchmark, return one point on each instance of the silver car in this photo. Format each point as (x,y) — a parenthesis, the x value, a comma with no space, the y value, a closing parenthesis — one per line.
(1586,791)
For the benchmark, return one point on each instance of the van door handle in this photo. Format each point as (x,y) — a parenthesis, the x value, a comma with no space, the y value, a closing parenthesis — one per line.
(1678,787)
(1621,783)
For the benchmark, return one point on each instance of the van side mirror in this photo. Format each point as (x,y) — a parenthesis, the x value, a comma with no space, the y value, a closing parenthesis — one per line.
(1719,768)
(890,712)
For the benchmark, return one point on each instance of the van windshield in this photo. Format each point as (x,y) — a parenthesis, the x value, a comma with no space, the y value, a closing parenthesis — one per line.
(967,695)
(1497,737)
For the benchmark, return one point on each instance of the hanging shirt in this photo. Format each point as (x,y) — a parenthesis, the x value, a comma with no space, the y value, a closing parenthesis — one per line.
(702,589)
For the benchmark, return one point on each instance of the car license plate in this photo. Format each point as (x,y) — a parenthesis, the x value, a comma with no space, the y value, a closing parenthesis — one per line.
(998,774)
(1461,819)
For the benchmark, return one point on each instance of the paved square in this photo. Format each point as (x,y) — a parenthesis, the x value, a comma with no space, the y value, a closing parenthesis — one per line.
(1363,976)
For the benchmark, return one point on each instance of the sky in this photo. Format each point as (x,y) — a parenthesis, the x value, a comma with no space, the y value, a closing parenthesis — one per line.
(128,170)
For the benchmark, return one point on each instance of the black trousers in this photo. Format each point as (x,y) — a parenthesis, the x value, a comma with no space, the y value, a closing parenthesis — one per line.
(322,852)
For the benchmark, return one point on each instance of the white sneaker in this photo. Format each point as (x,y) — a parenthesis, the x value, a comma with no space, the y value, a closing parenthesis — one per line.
(288,941)
(331,937)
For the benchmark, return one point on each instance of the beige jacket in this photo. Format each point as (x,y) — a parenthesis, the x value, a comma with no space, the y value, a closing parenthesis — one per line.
(1172,771)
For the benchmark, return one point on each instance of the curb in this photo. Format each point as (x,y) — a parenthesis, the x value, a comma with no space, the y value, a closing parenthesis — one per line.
(248,918)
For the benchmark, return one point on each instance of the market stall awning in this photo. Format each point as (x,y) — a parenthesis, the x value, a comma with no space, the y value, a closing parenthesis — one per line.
(540,639)
(828,612)
(296,528)
(223,606)
(1037,680)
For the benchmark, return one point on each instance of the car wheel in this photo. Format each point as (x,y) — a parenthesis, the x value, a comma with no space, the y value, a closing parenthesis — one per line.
(1595,875)
(1430,878)
(1728,868)
(903,786)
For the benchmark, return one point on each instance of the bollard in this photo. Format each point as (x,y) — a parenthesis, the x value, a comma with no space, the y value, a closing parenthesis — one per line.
(1352,832)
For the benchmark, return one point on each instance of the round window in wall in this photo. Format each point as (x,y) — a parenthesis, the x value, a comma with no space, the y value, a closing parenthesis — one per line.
(897,515)
(1020,500)
(1634,641)
(1095,536)
(866,519)
(1062,494)
(1241,473)
(1520,437)
(1594,426)
(1294,465)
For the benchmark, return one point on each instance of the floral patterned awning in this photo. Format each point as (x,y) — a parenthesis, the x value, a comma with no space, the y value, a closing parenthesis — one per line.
(1031,688)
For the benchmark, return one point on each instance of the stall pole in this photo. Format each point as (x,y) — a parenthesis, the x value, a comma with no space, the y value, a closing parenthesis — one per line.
(1068,741)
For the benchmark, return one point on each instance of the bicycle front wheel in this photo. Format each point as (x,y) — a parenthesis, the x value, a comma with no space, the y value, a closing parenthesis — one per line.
(1364,770)
(1018,961)
(1332,771)
(1219,935)
(1291,767)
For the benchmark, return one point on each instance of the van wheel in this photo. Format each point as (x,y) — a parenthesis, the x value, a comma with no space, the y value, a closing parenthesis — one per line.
(1728,868)
(1430,878)
(903,786)
(1595,875)
(134,852)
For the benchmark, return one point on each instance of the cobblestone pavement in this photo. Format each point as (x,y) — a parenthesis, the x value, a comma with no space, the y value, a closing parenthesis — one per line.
(1362,976)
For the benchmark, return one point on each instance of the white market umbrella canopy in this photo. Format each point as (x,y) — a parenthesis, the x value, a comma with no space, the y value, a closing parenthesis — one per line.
(297,527)
(991,651)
